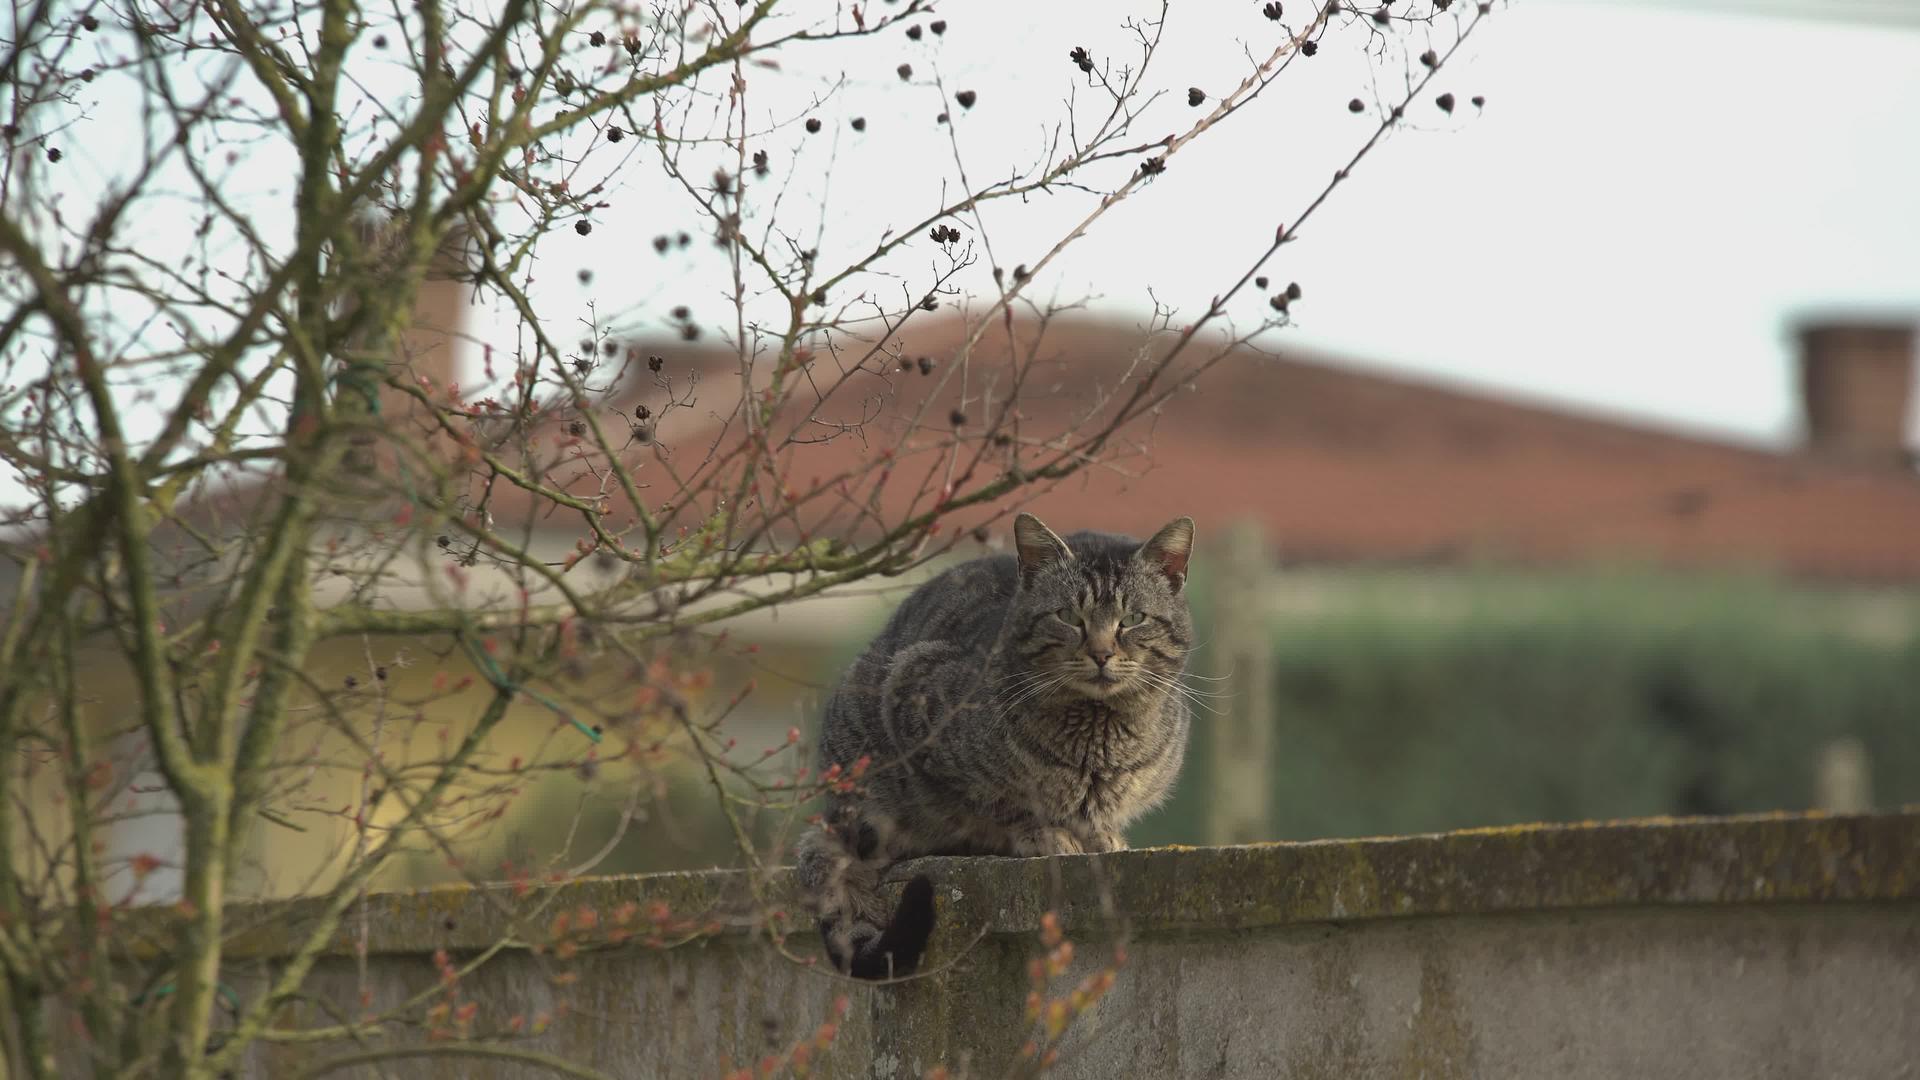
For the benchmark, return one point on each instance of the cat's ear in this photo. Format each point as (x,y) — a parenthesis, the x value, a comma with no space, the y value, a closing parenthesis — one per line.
(1168,550)
(1037,545)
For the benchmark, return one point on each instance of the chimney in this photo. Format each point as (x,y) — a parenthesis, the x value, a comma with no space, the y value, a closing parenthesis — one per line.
(1856,381)
(428,348)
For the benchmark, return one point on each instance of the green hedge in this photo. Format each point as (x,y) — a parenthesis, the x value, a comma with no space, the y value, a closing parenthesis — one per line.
(1611,699)
(1549,699)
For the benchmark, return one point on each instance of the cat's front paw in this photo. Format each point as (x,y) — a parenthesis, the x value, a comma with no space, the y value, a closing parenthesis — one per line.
(1047,842)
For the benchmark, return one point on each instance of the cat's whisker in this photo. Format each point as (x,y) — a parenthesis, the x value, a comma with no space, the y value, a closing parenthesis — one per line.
(1040,671)
(1185,679)
(1013,703)
(1044,682)
(1200,703)
(1028,690)
(1030,674)
(1049,685)
(1205,691)
(1198,698)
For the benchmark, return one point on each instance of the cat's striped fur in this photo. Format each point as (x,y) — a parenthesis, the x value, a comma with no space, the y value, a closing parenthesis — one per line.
(1020,704)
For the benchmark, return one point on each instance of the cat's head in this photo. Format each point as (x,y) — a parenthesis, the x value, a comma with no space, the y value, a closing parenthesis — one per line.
(1104,616)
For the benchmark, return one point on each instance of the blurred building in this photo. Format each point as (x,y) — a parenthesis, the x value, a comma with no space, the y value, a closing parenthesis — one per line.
(1344,468)
(1342,465)
(1344,471)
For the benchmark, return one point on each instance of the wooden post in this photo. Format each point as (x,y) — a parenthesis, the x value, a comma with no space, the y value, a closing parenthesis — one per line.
(1843,781)
(1242,650)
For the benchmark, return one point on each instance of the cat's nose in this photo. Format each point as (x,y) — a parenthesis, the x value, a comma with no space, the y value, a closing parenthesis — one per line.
(1100,656)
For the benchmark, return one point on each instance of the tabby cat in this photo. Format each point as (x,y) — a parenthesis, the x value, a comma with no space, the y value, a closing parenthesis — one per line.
(1025,704)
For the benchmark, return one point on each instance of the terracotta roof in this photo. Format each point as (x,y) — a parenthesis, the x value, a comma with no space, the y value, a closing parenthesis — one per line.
(1343,465)
(1338,465)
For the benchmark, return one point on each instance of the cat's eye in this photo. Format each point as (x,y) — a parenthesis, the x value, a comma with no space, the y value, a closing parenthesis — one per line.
(1134,618)
(1068,615)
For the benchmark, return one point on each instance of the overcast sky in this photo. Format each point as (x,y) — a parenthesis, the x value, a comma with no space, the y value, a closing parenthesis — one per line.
(1647,201)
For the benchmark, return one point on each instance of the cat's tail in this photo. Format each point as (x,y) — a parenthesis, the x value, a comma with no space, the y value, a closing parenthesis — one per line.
(884,952)
(842,883)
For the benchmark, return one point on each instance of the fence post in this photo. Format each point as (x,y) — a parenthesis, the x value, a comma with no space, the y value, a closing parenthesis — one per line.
(1843,778)
(1241,747)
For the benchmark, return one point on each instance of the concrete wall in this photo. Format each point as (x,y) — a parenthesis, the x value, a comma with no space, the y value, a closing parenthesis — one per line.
(1778,946)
